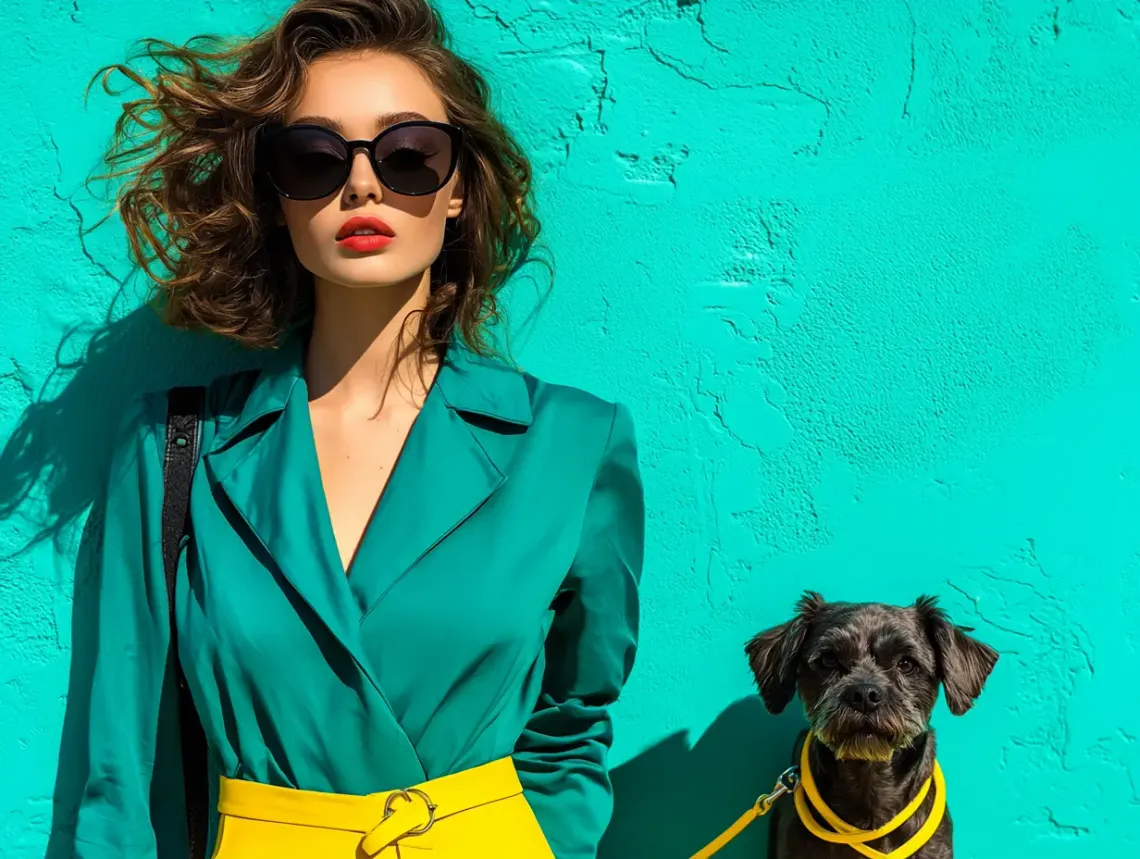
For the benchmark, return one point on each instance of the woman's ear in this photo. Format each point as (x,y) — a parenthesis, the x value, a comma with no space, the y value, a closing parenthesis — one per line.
(455,204)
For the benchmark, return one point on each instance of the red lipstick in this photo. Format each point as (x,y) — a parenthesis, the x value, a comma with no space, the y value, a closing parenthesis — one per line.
(364,234)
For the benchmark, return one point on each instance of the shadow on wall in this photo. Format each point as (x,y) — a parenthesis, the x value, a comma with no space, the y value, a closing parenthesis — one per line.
(58,452)
(673,799)
(53,466)
(51,472)
(669,801)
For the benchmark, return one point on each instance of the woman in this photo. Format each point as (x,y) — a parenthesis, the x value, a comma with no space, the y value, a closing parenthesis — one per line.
(411,565)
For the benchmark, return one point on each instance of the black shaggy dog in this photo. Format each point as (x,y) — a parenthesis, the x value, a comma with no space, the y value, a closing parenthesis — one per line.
(868,675)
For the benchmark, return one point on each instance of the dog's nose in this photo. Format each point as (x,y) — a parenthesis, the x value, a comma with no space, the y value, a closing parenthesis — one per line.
(864,697)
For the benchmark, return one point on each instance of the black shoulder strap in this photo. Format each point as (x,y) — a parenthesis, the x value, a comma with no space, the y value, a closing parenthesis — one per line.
(184,411)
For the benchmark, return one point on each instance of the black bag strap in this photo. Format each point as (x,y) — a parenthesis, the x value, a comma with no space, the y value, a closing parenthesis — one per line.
(184,412)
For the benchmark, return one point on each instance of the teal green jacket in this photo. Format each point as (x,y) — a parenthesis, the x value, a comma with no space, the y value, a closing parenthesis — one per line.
(491,609)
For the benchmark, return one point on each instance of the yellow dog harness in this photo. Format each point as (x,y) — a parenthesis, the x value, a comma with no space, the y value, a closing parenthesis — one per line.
(800,782)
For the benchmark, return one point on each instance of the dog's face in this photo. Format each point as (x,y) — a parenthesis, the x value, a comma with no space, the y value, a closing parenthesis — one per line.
(867,673)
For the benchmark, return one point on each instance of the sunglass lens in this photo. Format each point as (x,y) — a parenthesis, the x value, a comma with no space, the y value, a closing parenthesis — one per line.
(415,159)
(307,163)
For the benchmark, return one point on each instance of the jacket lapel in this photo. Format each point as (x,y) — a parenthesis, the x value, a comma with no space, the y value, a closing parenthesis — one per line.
(264,463)
(453,460)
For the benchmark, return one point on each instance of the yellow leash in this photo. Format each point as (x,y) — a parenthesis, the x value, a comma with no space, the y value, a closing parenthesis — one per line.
(787,783)
(808,800)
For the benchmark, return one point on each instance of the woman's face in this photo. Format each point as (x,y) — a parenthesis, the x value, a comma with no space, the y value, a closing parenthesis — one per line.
(358,96)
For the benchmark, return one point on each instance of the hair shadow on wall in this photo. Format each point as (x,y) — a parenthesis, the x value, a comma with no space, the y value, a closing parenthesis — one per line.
(51,472)
(673,799)
(53,463)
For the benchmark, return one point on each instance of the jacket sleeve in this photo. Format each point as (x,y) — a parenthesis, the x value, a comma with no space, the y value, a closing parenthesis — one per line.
(132,803)
(561,756)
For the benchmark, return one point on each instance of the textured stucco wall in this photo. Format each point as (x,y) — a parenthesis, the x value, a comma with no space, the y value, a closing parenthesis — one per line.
(868,272)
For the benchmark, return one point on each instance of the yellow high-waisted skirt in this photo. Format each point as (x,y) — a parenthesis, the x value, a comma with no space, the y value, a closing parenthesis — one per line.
(479,813)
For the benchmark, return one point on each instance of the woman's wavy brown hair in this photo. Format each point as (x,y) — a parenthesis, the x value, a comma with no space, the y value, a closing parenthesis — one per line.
(203,227)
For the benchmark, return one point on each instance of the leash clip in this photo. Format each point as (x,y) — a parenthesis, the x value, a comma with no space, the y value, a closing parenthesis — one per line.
(786,784)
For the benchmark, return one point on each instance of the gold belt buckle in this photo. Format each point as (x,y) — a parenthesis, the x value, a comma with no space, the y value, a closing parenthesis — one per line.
(381,837)
(407,794)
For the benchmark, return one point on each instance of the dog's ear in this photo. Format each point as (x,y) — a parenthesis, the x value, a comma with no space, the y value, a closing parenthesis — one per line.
(964,663)
(774,654)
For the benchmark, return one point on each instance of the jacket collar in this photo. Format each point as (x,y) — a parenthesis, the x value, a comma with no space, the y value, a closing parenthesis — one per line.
(468,382)
(484,386)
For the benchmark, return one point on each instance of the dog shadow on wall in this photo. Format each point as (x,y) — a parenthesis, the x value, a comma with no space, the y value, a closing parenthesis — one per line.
(675,797)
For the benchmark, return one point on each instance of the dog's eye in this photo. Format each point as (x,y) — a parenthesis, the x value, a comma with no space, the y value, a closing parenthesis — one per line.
(906,665)
(829,661)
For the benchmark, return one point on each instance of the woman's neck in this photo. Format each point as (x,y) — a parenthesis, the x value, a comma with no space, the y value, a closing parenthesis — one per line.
(362,345)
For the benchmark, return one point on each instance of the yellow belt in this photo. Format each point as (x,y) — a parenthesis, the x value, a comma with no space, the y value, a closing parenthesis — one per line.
(382,818)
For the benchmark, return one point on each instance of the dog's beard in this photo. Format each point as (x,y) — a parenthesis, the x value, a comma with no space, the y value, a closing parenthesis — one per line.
(861,747)
(854,737)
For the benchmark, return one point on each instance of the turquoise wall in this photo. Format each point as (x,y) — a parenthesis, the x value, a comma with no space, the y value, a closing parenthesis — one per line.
(868,274)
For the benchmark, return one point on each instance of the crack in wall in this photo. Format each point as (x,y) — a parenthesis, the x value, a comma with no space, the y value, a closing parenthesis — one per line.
(486,13)
(985,618)
(1066,828)
(913,39)
(700,18)
(1055,19)
(661,168)
(602,91)
(1055,640)
(82,231)
(791,86)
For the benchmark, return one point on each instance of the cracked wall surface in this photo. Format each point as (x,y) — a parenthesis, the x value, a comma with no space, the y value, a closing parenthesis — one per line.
(866,271)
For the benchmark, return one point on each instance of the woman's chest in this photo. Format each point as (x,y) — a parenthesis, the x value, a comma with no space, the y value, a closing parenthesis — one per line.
(355,457)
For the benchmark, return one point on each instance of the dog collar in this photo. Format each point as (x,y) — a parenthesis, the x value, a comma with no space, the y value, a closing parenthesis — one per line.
(809,803)
(799,781)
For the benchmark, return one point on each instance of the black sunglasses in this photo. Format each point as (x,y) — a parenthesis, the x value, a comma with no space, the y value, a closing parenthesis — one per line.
(308,162)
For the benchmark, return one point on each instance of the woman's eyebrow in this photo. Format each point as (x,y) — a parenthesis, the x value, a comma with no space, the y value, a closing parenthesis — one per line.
(382,121)
(325,121)
(386,119)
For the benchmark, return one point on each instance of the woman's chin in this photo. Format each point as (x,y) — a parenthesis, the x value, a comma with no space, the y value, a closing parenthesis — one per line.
(372,273)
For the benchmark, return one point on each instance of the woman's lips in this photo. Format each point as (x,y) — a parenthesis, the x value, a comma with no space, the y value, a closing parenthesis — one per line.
(364,244)
(363,234)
